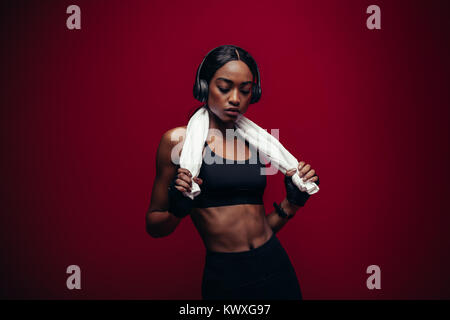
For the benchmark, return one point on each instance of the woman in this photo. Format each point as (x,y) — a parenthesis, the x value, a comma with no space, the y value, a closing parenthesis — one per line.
(244,258)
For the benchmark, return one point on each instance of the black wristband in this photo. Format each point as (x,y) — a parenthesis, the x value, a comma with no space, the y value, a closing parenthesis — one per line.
(279,210)
(294,195)
(179,205)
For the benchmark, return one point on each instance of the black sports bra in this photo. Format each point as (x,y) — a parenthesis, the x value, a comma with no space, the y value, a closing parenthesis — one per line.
(229,182)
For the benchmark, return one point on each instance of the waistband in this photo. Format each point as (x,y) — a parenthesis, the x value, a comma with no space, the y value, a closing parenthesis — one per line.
(269,244)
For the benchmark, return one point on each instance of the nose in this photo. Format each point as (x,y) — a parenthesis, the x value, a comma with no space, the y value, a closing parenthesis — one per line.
(234,97)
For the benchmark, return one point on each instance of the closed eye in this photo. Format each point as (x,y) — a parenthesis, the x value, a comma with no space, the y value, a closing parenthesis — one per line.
(226,90)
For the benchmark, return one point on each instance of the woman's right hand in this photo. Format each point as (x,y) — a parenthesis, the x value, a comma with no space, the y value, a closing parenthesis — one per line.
(183,180)
(179,205)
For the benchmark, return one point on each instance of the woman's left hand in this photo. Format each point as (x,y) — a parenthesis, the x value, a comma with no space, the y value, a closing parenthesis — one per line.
(305,172)
(293,194)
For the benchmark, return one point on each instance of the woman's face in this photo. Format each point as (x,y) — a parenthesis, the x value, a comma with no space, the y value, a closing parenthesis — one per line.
(230,87)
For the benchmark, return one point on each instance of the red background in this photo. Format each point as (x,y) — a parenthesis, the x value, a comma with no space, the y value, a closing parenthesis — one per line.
(82,113)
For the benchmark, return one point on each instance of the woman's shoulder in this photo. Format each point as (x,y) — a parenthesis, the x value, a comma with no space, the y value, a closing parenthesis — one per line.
(174,135)
(169,140)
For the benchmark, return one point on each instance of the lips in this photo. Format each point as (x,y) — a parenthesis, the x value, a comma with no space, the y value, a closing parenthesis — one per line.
(232,112)
(233,109)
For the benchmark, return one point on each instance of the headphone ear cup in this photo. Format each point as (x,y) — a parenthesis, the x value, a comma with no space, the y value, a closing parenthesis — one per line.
(203,91)
(197,90)
(256,94)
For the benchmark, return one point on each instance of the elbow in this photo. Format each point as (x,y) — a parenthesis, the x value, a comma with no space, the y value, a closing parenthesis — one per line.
(154,235)
(153,232)
(154,229)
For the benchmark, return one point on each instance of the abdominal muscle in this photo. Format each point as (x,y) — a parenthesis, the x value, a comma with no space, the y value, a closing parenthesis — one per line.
(232,228)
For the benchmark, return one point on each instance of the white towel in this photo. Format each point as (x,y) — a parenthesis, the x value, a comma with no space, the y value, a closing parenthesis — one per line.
(197,131)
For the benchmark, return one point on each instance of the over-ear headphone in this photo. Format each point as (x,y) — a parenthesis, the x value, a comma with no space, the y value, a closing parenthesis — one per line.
(201,86)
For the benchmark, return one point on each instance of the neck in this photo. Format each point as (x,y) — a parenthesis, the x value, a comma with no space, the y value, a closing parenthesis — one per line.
(216,123)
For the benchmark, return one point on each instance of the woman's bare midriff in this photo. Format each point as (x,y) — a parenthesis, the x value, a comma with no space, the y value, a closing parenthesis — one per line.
(232,228)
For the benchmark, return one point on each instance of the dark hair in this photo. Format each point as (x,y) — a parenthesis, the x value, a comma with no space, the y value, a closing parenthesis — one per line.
(218,57)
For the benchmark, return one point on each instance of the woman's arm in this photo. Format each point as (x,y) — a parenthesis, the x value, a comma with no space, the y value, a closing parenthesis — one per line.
(275,221)
(160,222)
(307,174)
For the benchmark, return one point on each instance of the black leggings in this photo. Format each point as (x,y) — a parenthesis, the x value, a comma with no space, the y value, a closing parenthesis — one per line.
(265,272)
